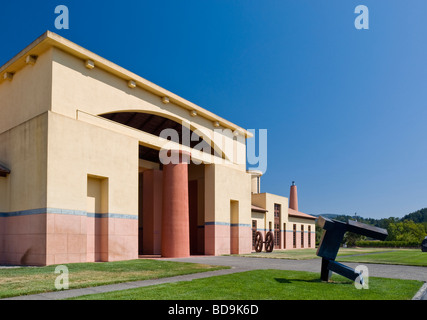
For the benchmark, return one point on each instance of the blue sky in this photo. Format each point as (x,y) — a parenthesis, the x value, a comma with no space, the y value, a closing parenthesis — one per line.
(345,109)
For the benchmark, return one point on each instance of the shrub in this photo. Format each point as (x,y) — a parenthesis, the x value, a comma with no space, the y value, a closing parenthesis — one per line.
(389,244)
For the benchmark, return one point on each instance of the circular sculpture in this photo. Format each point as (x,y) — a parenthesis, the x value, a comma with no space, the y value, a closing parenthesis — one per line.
(258,241)
(269,241)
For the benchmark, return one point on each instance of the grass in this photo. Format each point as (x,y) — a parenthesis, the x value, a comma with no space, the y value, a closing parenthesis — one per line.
(268,285)
(411,257)
(32,280)
(303,254)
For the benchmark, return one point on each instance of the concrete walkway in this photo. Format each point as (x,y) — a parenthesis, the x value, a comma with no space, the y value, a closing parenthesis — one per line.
(240,264)
(312,265)
(72,293)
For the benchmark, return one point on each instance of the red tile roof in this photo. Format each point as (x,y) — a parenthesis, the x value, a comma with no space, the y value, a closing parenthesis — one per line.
(258,209)
(294,213)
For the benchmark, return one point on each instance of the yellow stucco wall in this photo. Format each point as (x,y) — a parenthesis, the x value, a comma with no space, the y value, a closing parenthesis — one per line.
(267,201)
(24,102)
(23,150)
(96,92)
(28,94)
(76,150)
(227,210)
(222,185)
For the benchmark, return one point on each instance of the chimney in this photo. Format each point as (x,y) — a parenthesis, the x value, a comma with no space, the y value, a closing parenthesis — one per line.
(293,198)
(255,181)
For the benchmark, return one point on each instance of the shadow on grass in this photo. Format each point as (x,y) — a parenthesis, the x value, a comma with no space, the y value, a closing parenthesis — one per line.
(284,280)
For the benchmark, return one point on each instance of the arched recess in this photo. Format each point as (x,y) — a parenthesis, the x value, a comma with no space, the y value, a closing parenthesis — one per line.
(154,123)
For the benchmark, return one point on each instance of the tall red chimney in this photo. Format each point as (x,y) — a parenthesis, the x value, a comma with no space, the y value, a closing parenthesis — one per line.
(293,198)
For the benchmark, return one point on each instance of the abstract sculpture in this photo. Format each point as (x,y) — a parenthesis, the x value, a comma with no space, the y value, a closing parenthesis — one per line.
(424,245)
(331,239)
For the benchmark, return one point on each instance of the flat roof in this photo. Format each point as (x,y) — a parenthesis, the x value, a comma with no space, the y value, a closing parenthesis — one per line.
(50,39)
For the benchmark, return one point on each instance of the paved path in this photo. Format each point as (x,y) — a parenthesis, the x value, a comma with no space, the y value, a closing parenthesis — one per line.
(312,265)
(240,264)
(64,294)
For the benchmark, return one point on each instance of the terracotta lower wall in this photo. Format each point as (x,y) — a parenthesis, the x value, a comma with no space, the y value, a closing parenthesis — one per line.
(96,239)
(221,238)
(122,239)
(245,239)
(73,238)
(23,240)
(289,239)
(50,238)
(298,239)
(306,239)
(65,238)
(313,240)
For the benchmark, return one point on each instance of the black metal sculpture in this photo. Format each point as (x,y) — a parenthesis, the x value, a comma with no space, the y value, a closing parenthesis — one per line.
(424,245)
(331,239)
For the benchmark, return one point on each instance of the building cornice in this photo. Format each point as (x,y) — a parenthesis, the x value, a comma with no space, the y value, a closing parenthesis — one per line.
(50,39)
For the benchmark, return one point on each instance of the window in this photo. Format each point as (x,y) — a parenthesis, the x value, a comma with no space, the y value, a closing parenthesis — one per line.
(277,235)
(277,210)
(254,230)
(302,236)
(309,236)
(295,236)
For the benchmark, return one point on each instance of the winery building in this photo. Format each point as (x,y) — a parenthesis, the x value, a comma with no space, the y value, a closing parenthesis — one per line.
(86,171)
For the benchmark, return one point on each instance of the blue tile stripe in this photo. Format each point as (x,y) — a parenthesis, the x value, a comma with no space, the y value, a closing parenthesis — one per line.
(219,223)
(281,230)
(67,211)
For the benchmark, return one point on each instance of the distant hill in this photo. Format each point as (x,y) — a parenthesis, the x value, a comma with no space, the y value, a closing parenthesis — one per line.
(418,216)
(326,215)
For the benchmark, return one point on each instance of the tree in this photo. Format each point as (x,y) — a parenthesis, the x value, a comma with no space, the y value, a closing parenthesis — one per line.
(417,216)
(406,230)
(350,238)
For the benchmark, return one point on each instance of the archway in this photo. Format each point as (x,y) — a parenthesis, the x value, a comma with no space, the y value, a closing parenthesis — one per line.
(152,180)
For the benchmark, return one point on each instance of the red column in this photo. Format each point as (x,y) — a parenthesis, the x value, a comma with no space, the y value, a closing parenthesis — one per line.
(175,213)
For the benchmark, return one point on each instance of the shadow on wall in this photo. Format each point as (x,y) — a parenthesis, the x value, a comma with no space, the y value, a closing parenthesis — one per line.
(24,258)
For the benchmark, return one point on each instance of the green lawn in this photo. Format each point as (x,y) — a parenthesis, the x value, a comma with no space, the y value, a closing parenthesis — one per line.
(412,257)
(32,280)
(303,254)
(268,285)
